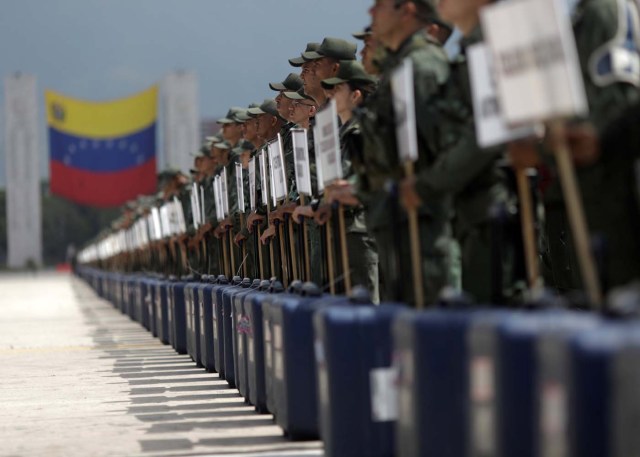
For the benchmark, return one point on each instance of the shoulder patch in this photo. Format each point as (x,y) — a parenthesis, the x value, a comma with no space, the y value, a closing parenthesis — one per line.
(619,59)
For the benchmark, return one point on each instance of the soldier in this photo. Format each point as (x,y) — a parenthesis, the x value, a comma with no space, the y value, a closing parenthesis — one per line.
(602,29)
(399,26)
(231,126)
(368,51)
(349,89)
(324,64)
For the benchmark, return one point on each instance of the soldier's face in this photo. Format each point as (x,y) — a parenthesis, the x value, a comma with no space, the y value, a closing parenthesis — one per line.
(249,130)
(283,105)
(308,76)
(301,111)
(342,95)
(385,19)
(264,125)
(367,54)
(232,132)
(325,68)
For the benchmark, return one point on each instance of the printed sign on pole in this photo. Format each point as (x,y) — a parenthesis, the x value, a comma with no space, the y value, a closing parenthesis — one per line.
(278,178)
(181,226)
(264,184)
(327,144)
(240,187)
(491,128)
(536,62)
(224,187)
(203,213)
(157,225)
(216,198)
(301,158)
(405,111)
(252,184)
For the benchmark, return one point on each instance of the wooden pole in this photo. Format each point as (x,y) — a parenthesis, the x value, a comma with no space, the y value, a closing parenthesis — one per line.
(343,247)
(330,265)
(414,239)
(305,237)
(528,228)
(575,211)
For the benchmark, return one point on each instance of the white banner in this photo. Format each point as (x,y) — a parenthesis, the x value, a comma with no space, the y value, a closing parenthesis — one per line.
(157,223)
(327,144)
(195,205)
(224,189)
(491,128)
(301,157)
(217,194)
(405,112)
(240,187)
(22,167)
(537,67)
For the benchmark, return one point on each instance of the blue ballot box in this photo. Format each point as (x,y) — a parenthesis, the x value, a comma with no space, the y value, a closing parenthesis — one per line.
(227,328)
(206,323)
(161,312)
(357,396)
(177,317)
(256,324)
(218,322)
(240,330)
(430,352)
(294,369)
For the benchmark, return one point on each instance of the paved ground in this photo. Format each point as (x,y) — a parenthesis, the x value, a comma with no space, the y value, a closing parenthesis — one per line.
(77,378)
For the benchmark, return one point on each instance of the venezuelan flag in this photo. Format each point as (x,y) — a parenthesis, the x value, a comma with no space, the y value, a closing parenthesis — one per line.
(102,153)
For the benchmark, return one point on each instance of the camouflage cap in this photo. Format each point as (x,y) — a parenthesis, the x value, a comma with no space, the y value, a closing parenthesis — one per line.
(244,116)
(268,106)
(363,34)
(298,95)
(242,147)
(292,82)
(222,145)
(230,118)
(299,61)
(335,48)
(349,71)
(205,150)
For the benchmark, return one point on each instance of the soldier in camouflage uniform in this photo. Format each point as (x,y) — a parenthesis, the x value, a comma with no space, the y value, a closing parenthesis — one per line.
(399,26)
(607,185)
(349,89)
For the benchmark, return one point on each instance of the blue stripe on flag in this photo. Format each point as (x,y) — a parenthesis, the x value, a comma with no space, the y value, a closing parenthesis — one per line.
(103,155)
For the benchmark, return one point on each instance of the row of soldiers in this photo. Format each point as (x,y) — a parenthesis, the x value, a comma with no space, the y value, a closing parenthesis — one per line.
(357,231)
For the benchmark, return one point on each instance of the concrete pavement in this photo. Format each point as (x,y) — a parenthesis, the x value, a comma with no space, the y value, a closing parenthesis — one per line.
(78,378)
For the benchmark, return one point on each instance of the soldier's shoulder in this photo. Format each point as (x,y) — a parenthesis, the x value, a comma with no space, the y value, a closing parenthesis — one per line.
(431,58)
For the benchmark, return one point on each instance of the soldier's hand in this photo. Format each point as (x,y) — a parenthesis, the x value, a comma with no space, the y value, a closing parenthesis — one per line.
(288,208)
(322,214)
(268,233)
(276,215)
(253,219)
(304,211)
(239,238)
(523,154)
(341,192)
(584,144)
(226,224)
(408,195)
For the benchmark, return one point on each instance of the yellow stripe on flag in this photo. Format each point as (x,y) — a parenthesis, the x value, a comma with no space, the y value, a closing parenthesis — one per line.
(108,119)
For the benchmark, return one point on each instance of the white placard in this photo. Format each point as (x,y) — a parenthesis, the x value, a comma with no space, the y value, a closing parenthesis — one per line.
(319,181)
(195,205)
(301,160)
(224,188)
(165,223)
(216,198)
(157,224)
(276,165)
(203,212)
(405,111)
(264,185)
(327,144)
(240,187)
(180,223)
(252,184)
(536,62)
(491,128)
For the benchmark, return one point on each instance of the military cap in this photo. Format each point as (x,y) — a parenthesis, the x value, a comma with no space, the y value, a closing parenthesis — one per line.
(222,145)
(363,34)
(230,118)
(243,146)
(169,173)
(204,151)
(298,95)
(335,48)
(349,71)
(209,140)
(292,82)
(299,61)
(244,116)
(268,106)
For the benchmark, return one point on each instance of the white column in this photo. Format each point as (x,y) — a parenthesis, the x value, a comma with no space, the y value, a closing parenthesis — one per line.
(24,213)
(181,119)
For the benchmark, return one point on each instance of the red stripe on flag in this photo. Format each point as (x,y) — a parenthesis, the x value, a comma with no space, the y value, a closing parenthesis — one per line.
(103,189)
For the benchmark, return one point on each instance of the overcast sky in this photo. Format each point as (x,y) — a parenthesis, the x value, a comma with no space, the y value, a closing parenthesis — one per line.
(103,49)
